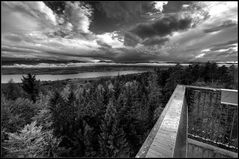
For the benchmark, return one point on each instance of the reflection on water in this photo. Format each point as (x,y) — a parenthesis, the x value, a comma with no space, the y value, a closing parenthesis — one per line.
(17,77)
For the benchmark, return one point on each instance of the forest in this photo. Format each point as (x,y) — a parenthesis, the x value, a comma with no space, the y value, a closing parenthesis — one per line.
(109,117)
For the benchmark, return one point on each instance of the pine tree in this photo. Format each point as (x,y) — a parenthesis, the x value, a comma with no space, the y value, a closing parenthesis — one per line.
(154,99)
(112,139)
(66,92)
(172,81)
(57,105)
(233,73)
(31,142)
(31,86)
(68,125)
(63,113)
(116,87)
(13,91)
(90,143)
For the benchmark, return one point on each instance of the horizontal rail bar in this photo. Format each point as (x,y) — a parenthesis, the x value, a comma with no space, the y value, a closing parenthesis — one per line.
(210,88)
(204,88)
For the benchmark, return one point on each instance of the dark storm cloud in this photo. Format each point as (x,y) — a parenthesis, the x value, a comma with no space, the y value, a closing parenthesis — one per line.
(111,16)
(131,55)
(175,6)
(127,10)
(155,41)
(225,25)
(161,27)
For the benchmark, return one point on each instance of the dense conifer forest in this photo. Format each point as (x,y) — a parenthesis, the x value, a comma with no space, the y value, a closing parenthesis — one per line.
(109,117)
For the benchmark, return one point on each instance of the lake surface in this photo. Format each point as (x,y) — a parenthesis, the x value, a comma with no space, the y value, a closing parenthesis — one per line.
(48,77)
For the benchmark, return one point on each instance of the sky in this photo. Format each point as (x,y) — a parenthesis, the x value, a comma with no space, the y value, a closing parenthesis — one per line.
(126,31)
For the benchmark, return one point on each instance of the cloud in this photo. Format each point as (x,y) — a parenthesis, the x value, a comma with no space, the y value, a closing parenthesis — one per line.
(217,10)
(25,17)
(159,5)
(161,27)
(175,6)
(79,16)
(120,31)
(111,39)
(219,52)
(200,55)
(225,48)
(227,43)
(17,49)
(133,55)
(219,55)
(155,41)
(13,37)
(22,17)
(226,24)
(103,44)
(127,10)
(131,39)
(189,44)
(119,15)
(37,10)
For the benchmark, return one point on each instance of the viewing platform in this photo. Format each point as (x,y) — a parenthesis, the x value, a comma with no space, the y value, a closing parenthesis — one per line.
(197,122)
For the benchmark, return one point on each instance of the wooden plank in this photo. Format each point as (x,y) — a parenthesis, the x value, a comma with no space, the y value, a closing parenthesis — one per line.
(164,142)
(229,97)
(215,149)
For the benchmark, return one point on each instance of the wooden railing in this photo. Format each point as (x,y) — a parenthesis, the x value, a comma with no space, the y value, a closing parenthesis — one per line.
(169,135)
(193,112)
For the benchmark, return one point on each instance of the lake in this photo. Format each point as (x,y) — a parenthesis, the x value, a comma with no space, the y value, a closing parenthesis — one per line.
(48,77)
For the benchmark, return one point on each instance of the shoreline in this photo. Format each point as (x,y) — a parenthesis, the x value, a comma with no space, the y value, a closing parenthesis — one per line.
(81,77)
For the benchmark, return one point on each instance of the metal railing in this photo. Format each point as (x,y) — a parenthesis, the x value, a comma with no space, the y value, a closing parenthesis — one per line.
(210,119)
(204,114)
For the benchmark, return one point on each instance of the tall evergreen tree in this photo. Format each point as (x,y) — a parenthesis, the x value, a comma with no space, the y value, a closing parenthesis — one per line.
(32,142)
(112,139)
(154,97)
(31,86)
